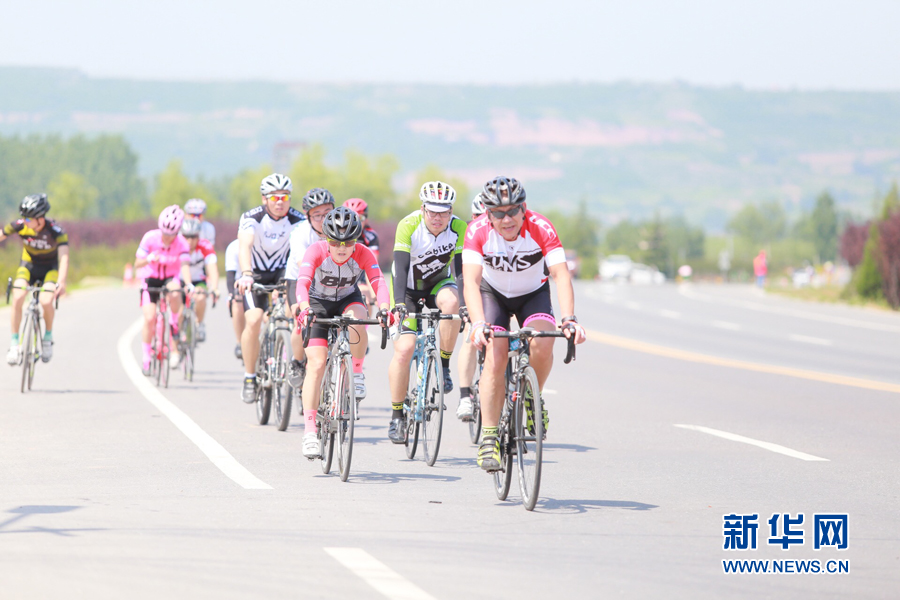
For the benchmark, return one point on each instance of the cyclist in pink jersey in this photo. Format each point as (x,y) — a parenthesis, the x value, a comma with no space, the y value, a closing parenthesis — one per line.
(163,258)
(328,286)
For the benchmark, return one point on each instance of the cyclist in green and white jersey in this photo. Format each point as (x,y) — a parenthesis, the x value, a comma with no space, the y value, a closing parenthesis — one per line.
(427,242)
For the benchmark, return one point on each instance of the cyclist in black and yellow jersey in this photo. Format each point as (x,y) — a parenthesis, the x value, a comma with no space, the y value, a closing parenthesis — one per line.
(45,257)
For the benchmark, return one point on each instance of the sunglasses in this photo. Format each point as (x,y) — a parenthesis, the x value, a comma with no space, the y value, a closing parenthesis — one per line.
(335,243)
(499,214)
(279,197)
(443,215)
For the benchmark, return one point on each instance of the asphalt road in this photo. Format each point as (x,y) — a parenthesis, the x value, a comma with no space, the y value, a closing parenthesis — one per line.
(103,494)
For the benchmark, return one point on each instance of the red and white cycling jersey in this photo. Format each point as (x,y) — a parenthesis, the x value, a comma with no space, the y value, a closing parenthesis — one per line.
(514,268)
(323,278)
(204,254)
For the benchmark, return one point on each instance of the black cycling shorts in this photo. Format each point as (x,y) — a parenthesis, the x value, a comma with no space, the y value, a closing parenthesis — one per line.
(34,272)
(153,282)
(328,309)
(414,301)
(292,291)
(261,300)
(498,308)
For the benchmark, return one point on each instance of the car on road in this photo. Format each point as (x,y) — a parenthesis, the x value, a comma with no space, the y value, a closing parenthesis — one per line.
(646,275)
(615,267)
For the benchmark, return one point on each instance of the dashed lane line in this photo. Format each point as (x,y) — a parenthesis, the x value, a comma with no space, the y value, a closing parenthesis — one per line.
(647,348)
(210,447)
(726,325)
(385,580)
(760,444)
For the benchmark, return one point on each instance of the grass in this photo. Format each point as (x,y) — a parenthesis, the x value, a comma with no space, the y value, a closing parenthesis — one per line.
(830,294)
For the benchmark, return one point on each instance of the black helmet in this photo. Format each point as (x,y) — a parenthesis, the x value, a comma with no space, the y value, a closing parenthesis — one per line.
(503,191)
(317,197)
(34,206)
(342,225)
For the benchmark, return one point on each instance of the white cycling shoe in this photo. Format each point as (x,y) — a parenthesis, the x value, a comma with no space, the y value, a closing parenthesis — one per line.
(310,445)
(465,410)
(359,380)
(14,355)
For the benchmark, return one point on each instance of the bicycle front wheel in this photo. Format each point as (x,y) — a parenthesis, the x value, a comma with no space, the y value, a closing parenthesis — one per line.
(187,348)
(36,348)
(27,341)
(165,366)
(346,394)
(529,436)
(475,423)
(409,407)
(433,411)
(323,420)
(282,391)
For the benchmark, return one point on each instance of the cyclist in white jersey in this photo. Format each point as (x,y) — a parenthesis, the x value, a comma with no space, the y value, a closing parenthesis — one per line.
(317,203)
(264,233)
(235,302)
(510,253)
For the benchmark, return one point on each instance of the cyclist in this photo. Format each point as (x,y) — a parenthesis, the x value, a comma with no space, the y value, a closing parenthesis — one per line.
(195,208)
(327,286)
(367,238)
(428,241)
(466,361)
(509,253)
(235,302)
(45,257)
(204,271)
(317,203)
(264,234)
(164,256)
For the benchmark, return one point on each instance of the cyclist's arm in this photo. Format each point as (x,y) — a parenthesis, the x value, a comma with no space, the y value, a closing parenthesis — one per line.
(185,273)
(564,290)
(458,269)
(401,274)
(375,276)
(472,275)
(312,258)
(212,276)
(245,238)
(63,270)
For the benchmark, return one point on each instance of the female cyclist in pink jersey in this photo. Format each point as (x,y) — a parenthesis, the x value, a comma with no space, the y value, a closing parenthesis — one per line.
(164,259)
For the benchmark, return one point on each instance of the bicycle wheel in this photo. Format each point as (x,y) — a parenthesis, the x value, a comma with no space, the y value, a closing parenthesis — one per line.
(529,435)
(27,340)
(36,347)
(165,365)
(323,418)
(187,347)
(346,397)
(409,408)
(282,391)
(475,423)
(157,345)
(502,479)
(433,415)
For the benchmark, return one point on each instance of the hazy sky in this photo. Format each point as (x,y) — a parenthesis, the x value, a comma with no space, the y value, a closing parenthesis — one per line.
(809,44)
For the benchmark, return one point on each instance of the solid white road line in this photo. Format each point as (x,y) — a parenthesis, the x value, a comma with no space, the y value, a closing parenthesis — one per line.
(210,447)
(726,325)
(809,340)
(377,574)
(745,440)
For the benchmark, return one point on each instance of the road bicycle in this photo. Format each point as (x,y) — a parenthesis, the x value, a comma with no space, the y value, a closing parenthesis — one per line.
(275,355)
(161,342)
(423,406)
(337,412)
(187,342)
(521,428)
(30,335)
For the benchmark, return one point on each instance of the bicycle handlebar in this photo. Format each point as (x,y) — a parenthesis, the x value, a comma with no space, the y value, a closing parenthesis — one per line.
(340,321)
(28,288)
(528,332)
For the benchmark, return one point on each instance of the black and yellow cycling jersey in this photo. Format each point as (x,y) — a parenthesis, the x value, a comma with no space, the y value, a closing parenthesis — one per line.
(40,250)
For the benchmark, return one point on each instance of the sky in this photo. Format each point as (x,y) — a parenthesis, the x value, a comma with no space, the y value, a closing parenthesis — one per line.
(762,44)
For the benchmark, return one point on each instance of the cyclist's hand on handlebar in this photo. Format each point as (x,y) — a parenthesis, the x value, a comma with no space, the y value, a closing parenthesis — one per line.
(399,311)
(60,290)
(571,327)
(387,317)
(244,283)
(481,334)
(303,318)
(464,314)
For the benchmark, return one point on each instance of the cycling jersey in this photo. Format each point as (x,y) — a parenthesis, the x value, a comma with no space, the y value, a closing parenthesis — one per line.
(231,256)
(323,278)
(208,232)
(203,255)
(271,237)
(302,237)
(429,255)
(170,258)
(518,267)
(39,247)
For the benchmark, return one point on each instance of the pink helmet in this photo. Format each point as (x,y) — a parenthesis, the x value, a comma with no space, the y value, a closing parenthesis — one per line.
(170,219)
(357,205)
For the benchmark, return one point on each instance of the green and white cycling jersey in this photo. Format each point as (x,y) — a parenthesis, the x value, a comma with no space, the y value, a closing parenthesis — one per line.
(429,255)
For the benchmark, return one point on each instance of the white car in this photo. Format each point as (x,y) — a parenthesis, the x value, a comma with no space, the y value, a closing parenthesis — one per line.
(616,266)
(646,275)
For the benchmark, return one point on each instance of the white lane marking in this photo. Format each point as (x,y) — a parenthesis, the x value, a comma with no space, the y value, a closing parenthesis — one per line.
(669,314)
(802,314)
(210,447)
(385,580)
(726,325)
(809,340)
(745,440)
(633,305)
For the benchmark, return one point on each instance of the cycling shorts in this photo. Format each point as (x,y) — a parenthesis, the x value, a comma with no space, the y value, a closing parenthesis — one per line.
(30,272)
(261,300)
(414,298)
(328,309)
(152,297)
(292,291)
(527,307)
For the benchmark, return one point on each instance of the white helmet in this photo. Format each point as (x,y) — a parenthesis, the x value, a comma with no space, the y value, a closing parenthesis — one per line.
(195,206)
(478,206)
(276,182)
(437,195)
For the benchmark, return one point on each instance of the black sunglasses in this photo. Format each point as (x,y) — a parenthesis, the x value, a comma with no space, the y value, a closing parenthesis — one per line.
(499,214)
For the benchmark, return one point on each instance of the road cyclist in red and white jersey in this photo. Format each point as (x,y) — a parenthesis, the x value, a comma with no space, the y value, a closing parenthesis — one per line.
(264,233)
(509,254)
(163,257)
(317,203)
(204,271)
(327,287)
(195,209)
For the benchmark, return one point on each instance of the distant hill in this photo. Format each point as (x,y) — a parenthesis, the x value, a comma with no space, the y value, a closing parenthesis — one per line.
(629,149)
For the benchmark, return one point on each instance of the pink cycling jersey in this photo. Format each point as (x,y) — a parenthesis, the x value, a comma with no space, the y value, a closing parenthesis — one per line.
(514,268)
(168,259)
(323,278)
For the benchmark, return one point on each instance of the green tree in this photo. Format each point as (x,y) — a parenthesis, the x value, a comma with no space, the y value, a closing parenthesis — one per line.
(72,197)
(867,278)
(579,232)
(243,191)
(824,227)
(174,187)
(759,224)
